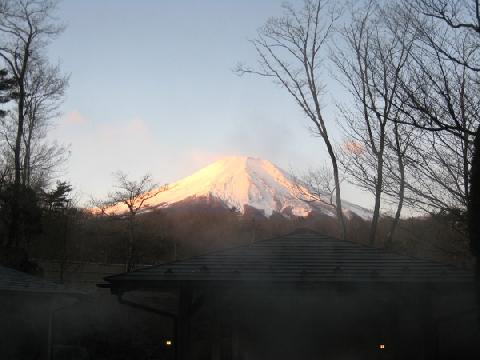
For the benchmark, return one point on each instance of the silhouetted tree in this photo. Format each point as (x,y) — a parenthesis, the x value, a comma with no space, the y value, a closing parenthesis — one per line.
(130,197)
(59,198)
(449,47)
(28,207)
(26,27)
(289,51)
(399,145)
(442,91)
(46,89)
(474,203)
(321,183)
(370,63)
(59,216)
(6,85)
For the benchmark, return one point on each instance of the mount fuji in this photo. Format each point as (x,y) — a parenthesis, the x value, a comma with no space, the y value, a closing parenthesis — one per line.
(240,182)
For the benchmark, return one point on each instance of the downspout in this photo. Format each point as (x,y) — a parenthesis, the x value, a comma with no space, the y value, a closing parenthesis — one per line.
(51,318)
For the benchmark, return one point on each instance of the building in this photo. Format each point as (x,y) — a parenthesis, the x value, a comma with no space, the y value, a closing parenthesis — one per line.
(28,306)
(306,296)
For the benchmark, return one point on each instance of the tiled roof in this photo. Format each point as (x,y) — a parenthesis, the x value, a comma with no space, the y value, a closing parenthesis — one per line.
(17,281)
(298,257)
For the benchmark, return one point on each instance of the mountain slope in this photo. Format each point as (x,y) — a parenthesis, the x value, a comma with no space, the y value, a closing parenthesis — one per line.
(238,181)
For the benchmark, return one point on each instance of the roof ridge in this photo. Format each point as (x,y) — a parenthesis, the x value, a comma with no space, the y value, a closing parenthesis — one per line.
(384,250)
(365,252)
(196,256)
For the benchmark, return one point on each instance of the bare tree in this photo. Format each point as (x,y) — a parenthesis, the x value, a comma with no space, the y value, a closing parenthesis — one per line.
(46,89)
(60,214)
(445,25)
(289,50)
(449,48)
(370,62)
(439,95)
(435,180)
(321,183)
(440,87)
(316,187)
(40,158)
(399,145)
(26,27)
(433,92)
(132,194)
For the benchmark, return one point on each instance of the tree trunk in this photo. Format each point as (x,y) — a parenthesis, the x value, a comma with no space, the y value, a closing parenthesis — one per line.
(13,233)
(465,157)
(129,263)
(64,251)
(322,130)
(474,212)
(376,209)
(27,157)
(338,200)
(378,189)
(401,191)
(18,140)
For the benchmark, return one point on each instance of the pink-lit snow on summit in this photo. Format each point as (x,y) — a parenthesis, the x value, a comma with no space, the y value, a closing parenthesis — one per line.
(238,181)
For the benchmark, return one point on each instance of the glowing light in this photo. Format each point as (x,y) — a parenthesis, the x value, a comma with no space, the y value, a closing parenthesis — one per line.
(168,342)
(381,347)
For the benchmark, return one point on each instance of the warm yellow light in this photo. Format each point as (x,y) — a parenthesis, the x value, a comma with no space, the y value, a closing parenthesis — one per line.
(168,342)
(381,346)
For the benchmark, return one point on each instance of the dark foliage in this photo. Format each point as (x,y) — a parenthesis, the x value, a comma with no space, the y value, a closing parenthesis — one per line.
(6,85)
(25,210)
(59,198)
(184,231)
(29,212)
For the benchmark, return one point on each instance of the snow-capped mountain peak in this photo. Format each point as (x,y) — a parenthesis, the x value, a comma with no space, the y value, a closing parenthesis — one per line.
(240,181)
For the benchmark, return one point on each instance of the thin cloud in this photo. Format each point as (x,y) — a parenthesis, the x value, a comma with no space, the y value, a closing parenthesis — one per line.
(75,118)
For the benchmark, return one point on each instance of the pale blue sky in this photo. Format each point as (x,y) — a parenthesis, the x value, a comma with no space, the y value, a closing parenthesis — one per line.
(152,90)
